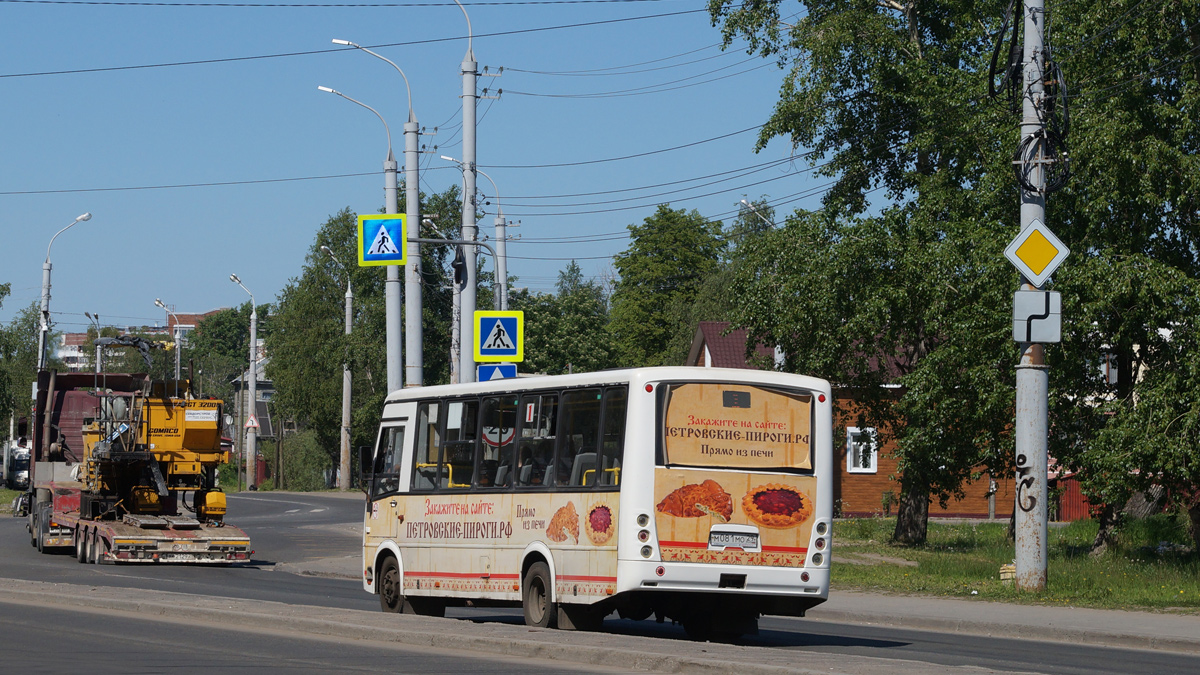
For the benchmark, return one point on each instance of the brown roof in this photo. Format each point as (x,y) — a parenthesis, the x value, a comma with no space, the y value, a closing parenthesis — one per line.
(188,319)
(727,351)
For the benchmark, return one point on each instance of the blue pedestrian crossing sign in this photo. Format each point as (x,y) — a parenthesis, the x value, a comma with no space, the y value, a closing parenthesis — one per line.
(382,239)
(499,337)
(487,372)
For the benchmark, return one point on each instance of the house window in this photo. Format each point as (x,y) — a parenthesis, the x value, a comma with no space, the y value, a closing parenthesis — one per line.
(862,451)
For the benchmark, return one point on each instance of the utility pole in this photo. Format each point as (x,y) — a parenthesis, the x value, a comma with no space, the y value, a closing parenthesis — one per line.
(1032,373)
(414,335)
(466,368)
(251,449)
(343,482)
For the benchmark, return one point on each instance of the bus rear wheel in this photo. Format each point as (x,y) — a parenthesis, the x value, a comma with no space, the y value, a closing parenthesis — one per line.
(537,599)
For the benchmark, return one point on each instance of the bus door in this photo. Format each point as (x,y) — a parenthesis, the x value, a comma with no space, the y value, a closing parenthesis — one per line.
(385,482)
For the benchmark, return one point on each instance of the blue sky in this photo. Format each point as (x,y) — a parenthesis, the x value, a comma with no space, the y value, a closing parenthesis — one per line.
(106,141)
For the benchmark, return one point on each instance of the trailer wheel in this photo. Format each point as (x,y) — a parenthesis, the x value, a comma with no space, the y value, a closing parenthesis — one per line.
(41,528)
(537,598)
(391,595)
(93,544)
(80,546)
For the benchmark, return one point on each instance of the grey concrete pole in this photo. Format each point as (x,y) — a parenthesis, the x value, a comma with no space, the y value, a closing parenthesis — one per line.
(344,458)
(1032,373)
(391,288)
(344,475)
(502,261)
(250,408)
(44,332)
(252,432)
(414,336)
(501,256)
(44,328)
(466,368)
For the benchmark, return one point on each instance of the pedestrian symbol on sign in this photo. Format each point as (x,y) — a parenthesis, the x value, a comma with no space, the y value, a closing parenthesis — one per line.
(499,338)
(383,244)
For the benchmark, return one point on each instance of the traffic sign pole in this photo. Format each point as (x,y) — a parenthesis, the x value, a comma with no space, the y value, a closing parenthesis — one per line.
(1032,373)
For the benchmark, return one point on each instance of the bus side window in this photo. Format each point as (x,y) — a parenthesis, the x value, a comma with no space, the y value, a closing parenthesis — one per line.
(458,444)
(613,443)
(494,464)
(425,456)
(535,446)
(579,438)
(387,461)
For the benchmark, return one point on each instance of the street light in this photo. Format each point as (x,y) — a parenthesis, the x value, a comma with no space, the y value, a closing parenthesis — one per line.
(756,212)
(414,367)
(344,470)
(96,318)
(501,246)
(251,429)
(391,288)
(175,333)
(44,333)
(501,240)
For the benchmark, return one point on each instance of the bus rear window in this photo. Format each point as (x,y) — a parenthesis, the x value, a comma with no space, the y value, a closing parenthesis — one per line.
(736,426)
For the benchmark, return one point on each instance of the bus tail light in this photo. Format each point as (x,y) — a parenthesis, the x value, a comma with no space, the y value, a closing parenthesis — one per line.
(820,543)
(804,577)
(644,536)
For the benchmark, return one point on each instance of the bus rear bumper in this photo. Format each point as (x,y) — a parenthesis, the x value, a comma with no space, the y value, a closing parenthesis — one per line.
(650,575)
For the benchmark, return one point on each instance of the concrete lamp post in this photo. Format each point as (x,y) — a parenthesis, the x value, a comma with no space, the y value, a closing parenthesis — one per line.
(391,287)
(414,366)
(344,467)
(251,429)
(44,332)
(175,333)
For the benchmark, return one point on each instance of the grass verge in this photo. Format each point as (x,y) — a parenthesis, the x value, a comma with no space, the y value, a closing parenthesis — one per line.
(1150,568)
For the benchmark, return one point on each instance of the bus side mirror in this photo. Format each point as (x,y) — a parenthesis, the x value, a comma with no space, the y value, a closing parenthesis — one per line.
(365,468)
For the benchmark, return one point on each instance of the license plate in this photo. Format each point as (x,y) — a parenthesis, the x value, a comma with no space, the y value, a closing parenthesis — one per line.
(732,540)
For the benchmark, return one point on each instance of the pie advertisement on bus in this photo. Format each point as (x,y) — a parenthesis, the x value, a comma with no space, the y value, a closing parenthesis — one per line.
(737,427)
(733,517)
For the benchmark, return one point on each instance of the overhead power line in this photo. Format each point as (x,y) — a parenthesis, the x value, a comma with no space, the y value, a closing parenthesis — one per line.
(288,5)
(234,59)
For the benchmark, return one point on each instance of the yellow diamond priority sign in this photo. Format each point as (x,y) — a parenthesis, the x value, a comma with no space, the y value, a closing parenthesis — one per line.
(1036,253)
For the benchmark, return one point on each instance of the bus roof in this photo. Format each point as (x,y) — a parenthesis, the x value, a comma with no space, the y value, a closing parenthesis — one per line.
(617,376)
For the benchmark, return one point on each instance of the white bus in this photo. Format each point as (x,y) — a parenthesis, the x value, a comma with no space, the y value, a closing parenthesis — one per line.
(700,495)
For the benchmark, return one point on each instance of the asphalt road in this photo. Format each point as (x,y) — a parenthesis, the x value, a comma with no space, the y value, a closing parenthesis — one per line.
(287,529)
(121,642)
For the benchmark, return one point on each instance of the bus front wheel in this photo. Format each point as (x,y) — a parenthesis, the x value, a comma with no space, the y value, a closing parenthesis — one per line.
(537,598)
(391,597)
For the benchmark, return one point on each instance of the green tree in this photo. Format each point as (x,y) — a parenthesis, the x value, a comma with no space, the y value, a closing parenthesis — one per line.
(887,95)
(566,331)
(670,255)
(18,359)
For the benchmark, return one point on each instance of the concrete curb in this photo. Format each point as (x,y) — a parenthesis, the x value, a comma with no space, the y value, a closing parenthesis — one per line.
(1059,634)
(464,638)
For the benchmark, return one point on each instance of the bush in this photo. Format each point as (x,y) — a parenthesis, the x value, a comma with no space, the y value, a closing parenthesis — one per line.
(305,462)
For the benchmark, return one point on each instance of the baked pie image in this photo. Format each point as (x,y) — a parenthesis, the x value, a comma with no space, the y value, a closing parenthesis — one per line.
(599,524)
(564,522)
(695,500)
(777,505)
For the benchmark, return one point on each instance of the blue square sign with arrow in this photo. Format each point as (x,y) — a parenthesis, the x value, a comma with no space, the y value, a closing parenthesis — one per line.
(499,336)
